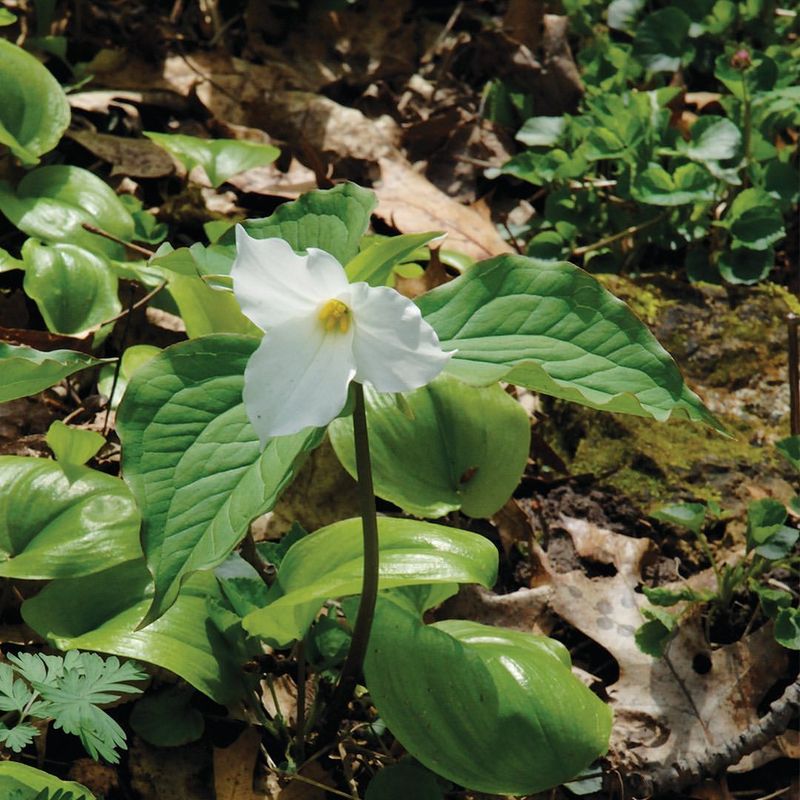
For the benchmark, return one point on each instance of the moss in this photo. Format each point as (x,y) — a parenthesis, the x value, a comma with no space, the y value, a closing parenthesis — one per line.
(653,462)
(645,303)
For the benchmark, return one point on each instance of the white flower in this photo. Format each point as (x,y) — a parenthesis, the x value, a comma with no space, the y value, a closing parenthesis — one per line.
(321,333)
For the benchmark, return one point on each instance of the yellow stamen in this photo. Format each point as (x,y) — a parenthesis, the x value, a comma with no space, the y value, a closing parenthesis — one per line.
(335,314)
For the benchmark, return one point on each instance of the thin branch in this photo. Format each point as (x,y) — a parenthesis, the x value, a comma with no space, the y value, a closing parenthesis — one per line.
(694,768)
(631,231)
(134,248)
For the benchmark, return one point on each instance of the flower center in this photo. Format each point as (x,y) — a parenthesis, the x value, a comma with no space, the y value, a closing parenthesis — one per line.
(335,315)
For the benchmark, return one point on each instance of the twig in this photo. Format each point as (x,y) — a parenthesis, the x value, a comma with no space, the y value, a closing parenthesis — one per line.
(138,304)
(631,231)
(134,248)
(693,768)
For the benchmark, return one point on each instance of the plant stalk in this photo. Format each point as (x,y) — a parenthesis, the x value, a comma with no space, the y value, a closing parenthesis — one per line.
(369,586)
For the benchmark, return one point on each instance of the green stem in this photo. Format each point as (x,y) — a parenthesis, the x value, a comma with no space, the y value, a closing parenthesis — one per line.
(369,586)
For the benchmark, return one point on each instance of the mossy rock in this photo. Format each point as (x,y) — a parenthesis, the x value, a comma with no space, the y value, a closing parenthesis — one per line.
(731,347)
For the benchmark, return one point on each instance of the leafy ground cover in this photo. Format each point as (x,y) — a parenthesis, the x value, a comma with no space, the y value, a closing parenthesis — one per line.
(180,587)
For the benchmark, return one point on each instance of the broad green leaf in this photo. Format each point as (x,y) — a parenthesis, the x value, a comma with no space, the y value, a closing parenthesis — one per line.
(621,15)
(54,524)
(205,310)
(687,515)
(376,263)
(333,220)
(403,781)
(167,719)
(193,460)
(74,288)
(34,111)
(789,448)
(653,636)
(754,220)
(328,564)
(745,266)
(745,81)
(133,358)
(787,628)
(662,40)
(451,446)
(73,446)
(102,613)
(27,371)
(764,518)
(772,600)
(541,131)
(553,328)
(779,544)
(220,158)
(690,183)
(493,709)
(52,203)
(29,783)
(714,139)
(6,17)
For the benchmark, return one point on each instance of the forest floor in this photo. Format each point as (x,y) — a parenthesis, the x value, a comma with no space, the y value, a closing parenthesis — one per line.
(389,95)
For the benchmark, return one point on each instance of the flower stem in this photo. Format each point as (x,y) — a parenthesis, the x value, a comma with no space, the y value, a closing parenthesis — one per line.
(369,586)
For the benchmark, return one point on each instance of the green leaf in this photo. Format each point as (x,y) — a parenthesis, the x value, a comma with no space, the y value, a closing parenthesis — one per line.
(661,596)
(74,288)
(789,448)
(541,131)
(376,263)
(73,446)
(787,628)
(745,266)
(87,681)
(57,525)
(167,719)
(14,693)
(553,328)
(452,446)
(687,515)
(744,82)
(689,183)
(52,203)
(102,612)
(402,781)
(6,17)
(772,600)
(662,40)
(18,737)
(754,220)
(132,359)
(764,518)
(714,139)
(333,220)
(653,636)
(34,111)
(329,563)
(220,158)
(8,262)
(493,709)
(779,544)
(184,431)
(622,14)
(27,371)
(29,782)
(205,310)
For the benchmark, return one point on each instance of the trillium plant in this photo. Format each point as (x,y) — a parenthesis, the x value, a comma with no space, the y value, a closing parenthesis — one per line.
(314,344)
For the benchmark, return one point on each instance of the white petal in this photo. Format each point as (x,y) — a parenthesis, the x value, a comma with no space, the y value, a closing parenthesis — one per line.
(297,377)
(395,349)
(272,283)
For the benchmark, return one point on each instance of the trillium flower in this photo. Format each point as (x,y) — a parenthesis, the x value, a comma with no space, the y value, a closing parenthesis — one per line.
(320,333)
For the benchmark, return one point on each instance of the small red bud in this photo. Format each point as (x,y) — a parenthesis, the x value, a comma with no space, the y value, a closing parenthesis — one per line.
(741,59)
